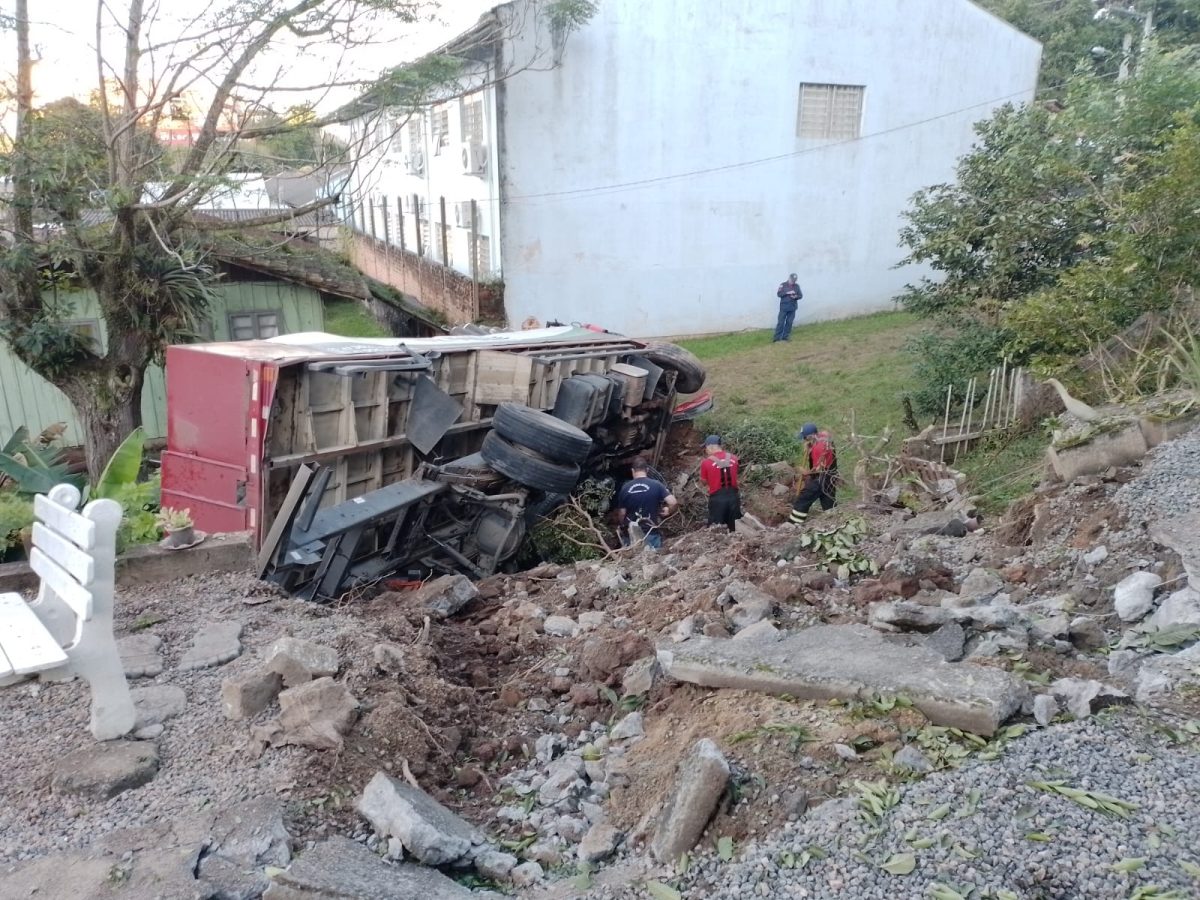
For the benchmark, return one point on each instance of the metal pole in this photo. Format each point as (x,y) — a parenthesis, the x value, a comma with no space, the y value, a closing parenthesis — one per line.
(445,245)
(417,221)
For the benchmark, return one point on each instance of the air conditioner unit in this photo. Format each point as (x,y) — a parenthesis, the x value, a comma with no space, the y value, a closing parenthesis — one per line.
(474,159)
(414,163)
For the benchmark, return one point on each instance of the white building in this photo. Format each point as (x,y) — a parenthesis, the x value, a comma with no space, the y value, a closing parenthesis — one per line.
(662,173)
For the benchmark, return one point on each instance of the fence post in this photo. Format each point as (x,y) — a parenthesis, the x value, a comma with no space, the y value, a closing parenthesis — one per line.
(417,220)
(474,245)
(445,245)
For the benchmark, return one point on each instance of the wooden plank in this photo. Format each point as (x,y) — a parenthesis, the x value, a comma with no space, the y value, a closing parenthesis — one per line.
(25,643)
(502,377)
(71,591)
(78,530)
(78,564)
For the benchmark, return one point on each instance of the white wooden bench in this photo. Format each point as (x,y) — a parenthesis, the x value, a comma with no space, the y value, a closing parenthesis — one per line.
(68,629)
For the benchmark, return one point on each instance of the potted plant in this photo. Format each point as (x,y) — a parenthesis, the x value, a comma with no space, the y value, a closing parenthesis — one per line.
(179,527)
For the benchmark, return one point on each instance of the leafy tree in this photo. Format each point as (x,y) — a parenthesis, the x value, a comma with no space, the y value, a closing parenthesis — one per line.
(1062,226)
(96,206)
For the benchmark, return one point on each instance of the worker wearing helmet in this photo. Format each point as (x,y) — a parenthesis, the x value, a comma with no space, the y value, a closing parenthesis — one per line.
(818,473)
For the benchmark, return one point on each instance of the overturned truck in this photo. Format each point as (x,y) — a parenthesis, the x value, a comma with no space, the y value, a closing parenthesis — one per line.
(352,460)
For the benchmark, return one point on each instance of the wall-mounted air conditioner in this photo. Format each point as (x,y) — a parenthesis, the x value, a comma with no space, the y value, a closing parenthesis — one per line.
(474,159)
(414,163)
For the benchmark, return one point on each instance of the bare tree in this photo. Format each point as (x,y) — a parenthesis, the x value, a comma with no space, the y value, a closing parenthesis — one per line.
(125,225)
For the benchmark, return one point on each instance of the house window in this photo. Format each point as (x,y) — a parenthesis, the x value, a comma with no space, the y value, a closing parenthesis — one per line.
(830,111)
(472,121)
(440,128)
(414,133)
(89,331)
(426,238)
(254,326)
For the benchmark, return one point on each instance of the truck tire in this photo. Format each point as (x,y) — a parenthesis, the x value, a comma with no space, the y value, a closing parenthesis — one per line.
(689,371)
(553,438)
(526,467)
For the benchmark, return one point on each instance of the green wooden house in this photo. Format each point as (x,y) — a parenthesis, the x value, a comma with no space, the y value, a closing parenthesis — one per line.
(261,295)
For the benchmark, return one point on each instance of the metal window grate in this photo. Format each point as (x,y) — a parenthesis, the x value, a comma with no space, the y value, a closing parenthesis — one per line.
(472,121)
(251,326)
(830,111)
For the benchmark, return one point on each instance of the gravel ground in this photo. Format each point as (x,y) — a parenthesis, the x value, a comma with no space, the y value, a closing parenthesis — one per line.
(1169,484)
(985,844)
(204,757)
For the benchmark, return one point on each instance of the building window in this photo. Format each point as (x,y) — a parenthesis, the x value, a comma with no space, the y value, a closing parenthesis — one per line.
(830,111)
(89,331)
(415,141)
(472,121)
(426,238)
(254,326)
(440,128)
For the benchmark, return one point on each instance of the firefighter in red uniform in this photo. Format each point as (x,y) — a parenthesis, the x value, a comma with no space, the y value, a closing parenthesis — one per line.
(719,471)
(819,473)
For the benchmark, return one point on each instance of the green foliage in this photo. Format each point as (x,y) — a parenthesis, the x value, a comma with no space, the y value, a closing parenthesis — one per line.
(757,440)
(33,469)
(1061,227)
(349,318)
(139,501)
(16,514)
(122,468)
(573,532)
(568,15)
(836,548)
(1185,357)
(171,519)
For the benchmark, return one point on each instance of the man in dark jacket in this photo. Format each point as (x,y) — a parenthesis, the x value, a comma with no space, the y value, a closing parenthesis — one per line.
(644,501)
(789,295)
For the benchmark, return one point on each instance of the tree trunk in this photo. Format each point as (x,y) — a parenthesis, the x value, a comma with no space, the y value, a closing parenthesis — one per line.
(108,402)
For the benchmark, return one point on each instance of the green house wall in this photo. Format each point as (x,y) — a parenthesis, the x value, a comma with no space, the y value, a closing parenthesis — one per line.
(28,399)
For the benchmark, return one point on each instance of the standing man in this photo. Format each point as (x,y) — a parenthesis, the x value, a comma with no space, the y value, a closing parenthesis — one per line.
(789,295)
(719,472)
(645,501)
(819,473)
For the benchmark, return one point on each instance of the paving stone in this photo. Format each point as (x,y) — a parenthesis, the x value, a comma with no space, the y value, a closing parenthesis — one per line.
(213,645)
(342,869)
(850,661)
(429,831)
(156,703)
(103,770)
(702,778)
(140,656)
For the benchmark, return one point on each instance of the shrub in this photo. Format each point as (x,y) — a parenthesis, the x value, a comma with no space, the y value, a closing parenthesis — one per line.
(951,358)
(755,440)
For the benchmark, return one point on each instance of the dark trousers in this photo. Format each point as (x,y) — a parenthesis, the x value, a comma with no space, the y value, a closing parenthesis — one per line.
(821,488)
(724,507)
(783,326)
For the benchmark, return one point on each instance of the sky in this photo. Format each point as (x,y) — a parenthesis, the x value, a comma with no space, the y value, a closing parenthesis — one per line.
(63,35)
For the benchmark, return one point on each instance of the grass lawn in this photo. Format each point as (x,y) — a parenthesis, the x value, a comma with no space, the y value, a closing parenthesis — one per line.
(848,377)
(350,319)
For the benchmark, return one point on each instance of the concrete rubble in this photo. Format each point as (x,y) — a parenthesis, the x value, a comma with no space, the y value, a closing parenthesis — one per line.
(316,714)
(429,832)
(445,596)
(299,661)
(852,661)
(702,778)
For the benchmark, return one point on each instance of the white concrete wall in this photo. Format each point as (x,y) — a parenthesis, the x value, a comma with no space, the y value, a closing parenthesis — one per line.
(650,91)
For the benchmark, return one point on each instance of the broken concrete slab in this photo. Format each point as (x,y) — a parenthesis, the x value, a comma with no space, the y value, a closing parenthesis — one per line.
(1133,595)
(641,676)
(429,831)
(750,604)
(443,597)
(703,776)
(980,585)
(950,641)
(1182,534)
(907,615)
(103,770)
(299,661)
(249,694)
(214,645)
(156,703)
(140,656)
(599,843)
(1081,697)
(1122,444)
(315,715)
(853,661)
(245,838)
(762,630)
(1180,608)
(1163,673)
(342,869)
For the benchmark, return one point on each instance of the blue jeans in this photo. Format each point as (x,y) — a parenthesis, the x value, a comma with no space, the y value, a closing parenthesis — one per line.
(783,327)
(653,540)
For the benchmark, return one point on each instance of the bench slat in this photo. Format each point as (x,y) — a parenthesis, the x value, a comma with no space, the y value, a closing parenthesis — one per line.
(76,595)
(76,562)
(26,642)
(79,530)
